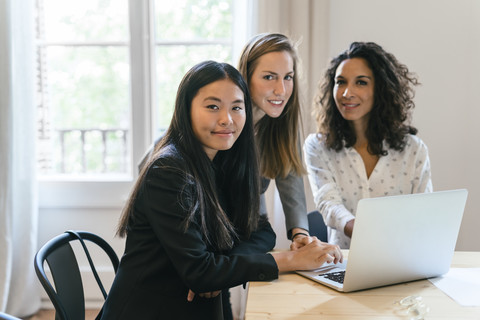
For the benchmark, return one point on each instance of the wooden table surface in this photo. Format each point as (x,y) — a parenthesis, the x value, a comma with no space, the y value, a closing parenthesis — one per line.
(292,296)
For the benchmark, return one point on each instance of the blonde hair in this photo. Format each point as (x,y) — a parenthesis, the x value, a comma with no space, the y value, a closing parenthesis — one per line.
(277,138)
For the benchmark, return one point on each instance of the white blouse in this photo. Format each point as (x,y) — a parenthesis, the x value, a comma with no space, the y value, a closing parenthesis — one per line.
(339,180)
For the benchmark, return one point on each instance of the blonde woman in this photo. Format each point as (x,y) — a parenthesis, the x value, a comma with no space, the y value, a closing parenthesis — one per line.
(269,65)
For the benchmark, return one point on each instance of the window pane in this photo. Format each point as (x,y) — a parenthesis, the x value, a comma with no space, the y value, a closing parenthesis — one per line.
(89,105)
(85,20)
(83,87)
(187,32)
(193,19)
(84,74)
(171,68)
(88,86)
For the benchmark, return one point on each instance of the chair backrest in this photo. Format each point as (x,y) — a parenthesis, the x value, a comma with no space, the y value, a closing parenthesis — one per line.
(317,226)
(68,296)
(4,316)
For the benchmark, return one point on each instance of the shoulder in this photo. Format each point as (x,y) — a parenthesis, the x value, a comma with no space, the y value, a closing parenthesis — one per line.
(169,155)
(414,147)
(315,142)
(415,143)
(168,161)
(167,176)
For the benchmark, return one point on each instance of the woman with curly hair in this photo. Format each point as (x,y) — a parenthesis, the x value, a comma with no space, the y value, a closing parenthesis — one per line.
(365,146)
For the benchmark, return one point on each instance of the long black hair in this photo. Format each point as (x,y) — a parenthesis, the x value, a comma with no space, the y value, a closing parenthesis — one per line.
(393,102)
(237,168)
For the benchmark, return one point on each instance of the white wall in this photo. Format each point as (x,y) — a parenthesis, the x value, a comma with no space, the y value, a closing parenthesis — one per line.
(440,42)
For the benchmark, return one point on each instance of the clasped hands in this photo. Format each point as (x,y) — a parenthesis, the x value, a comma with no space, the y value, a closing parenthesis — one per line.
(212,294)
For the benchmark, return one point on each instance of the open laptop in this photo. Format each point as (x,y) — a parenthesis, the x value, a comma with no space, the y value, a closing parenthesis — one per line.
(398,239)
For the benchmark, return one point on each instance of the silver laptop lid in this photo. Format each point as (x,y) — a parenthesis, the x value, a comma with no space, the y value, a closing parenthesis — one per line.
(403,238)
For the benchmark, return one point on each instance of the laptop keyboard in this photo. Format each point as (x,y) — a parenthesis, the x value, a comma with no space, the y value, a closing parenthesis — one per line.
(335,276)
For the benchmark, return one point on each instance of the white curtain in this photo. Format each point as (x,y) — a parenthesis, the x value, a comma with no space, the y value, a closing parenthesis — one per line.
(19,293)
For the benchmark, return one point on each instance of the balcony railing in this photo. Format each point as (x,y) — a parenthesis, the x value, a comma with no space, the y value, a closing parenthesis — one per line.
(86,151)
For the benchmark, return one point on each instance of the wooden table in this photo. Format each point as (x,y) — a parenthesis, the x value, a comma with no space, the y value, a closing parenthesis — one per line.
(292,296)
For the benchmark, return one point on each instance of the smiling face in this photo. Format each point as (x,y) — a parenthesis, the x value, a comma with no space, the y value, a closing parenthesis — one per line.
(354,90)
(271,83)
(218,115)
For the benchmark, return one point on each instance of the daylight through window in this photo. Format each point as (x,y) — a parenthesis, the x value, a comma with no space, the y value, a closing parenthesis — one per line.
(84,80)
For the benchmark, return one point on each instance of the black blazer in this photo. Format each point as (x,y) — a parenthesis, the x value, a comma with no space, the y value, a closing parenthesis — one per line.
(162,261)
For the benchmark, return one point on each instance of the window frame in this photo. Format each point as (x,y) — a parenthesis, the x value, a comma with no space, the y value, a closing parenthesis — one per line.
(111,191)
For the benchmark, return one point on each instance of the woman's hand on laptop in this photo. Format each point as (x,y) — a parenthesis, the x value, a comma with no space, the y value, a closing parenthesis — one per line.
(300,238)
(311,256)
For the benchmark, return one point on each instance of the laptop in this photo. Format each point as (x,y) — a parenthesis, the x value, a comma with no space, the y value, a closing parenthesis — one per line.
(397,239)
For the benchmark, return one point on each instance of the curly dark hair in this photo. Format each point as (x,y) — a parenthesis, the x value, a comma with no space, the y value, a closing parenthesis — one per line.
(391,111)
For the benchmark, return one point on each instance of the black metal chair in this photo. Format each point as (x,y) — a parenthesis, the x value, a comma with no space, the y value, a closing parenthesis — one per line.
(68,296)
(4,316)
(317,226)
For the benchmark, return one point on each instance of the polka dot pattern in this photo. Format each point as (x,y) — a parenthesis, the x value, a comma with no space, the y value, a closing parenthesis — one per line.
(339,180)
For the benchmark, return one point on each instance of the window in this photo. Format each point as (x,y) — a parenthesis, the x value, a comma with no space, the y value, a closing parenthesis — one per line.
(209,35)
(84,74)
(108,71)
(83,87)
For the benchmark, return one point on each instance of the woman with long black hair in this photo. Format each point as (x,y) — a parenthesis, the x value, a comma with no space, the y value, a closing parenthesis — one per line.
(192,222)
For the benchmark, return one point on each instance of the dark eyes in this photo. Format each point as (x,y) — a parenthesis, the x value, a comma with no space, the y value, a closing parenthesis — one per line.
(359,82)
(271,77)
(215,107)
